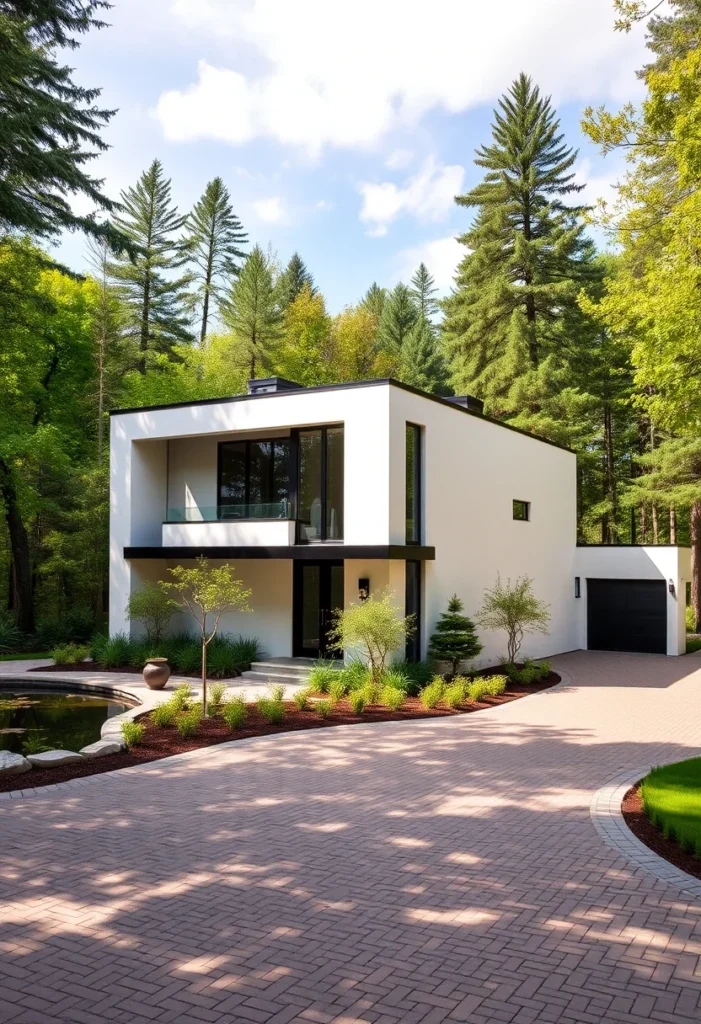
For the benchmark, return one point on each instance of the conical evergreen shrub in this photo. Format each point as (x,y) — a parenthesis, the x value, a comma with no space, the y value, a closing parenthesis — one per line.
(454,638)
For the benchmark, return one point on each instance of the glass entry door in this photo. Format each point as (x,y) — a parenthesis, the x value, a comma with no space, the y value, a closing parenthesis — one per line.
(318,592)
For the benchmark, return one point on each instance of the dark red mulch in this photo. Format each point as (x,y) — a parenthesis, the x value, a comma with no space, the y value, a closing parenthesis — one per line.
(641,826)
(166,741)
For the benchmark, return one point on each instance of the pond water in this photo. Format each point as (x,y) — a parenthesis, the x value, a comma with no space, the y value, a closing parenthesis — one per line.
(31,719)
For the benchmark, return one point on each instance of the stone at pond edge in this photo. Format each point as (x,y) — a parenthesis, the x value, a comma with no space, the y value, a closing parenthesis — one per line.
(54,758)
(100,748)
(13,764)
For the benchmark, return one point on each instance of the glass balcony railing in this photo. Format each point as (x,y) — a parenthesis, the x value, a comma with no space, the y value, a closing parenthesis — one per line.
(226,513)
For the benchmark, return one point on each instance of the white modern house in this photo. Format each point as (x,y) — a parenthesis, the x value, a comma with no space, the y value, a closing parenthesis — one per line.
(321,495)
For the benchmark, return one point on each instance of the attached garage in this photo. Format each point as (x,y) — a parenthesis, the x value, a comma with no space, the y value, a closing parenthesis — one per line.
(627,615)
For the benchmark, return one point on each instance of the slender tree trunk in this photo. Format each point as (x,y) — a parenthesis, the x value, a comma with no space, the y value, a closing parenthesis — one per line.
(633,525)
(19,544)
(672,525)
(205,314)
(204,675)
(655,524)
(695,529)
(145,317)
(611,489)
(643,524)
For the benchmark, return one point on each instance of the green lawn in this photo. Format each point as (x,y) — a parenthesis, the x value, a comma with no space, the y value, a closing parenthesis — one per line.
(24,657)
(693,643)
(671,798)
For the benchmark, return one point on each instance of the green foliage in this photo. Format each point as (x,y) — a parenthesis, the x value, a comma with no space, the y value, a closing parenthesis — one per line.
(216,696)
(432,694)
(165,714)
(671,797)
(371,692)
(11,638)
(229,656)
(152,606)
(516,610)
(417,672)
(323,708)
(399,316)
(392,697)
(70,654)
(133,733)
(373,629)
(693,644)
(234,711)
(355,674)
(272,708)
(495,685)
(292,282)
(530,672)
(251,313)
(114,651)
(337,690)
(454,638)
(396,679)
(476,690)
(301,698)
(356,700)
(188,722)
(322,675)
(454,693)
(182,695)
(34,745)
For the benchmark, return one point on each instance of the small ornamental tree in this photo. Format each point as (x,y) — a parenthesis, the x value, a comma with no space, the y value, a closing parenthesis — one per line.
(515,609)
(206,592)
(372,628)
(153,607)
(454,638)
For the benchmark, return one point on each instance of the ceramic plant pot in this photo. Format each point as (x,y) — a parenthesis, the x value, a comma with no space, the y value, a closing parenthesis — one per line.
(156,673)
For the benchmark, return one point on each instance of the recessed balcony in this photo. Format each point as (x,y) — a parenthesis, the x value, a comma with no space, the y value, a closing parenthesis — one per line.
(237,525)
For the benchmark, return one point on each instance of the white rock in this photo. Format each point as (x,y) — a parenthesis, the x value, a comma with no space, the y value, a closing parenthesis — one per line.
(13,764)
(54,758)
(100,748)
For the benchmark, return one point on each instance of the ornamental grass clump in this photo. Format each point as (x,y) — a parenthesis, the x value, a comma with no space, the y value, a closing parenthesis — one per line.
(432,694)
(301,699)
(272,710)
(322,675)
(337,690)
(356,701)
(324,708)
(355,675)
(477,690)
(165,714)
(454,694)
(234,711)
(495,685)
(395,678)
(182,695)
(216,696)
(392,697)
(133,733)
(371,693)
(188,722)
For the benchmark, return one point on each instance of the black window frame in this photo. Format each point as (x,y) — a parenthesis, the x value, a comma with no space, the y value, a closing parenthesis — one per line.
(412,650)
(526,505)
(417,465)
(248,441)
(323,430)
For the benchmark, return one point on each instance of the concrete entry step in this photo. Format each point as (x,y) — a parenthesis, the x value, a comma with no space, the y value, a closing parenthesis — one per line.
(281,670)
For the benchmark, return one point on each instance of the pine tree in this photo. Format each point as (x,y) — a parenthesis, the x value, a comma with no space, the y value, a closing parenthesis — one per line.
(293,279)
(399,316)
(454,638)
(252,313)
(49,126)
(421,363)
(423,288)
(374,300)
(213,236)
(155,301)
(514,312)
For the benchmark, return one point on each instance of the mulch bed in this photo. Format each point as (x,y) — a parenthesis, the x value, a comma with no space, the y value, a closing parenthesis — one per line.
(166,741)
(641,826)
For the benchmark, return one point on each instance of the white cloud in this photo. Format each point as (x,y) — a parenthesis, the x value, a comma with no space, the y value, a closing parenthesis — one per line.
(398,159)
(597,186)
(311,73)
(441,256)
(271,211)
(428,196)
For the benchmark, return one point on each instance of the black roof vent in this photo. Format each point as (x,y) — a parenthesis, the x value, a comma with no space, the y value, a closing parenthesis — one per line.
(468,402)
(272,386)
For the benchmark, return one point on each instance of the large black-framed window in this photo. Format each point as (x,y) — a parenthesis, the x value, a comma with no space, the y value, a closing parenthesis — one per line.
(320,484)
(254,479)
(413,484)
(412,606)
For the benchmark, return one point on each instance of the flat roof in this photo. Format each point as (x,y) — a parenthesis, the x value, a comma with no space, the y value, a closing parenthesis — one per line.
(375,382)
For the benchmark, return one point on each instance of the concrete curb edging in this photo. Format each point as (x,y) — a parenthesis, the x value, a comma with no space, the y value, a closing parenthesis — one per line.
(607,818)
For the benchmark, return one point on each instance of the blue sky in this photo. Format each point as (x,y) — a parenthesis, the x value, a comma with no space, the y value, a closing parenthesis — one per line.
(343,128)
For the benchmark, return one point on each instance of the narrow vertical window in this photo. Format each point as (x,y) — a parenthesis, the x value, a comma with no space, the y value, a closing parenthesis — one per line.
(412,606)
(413,484)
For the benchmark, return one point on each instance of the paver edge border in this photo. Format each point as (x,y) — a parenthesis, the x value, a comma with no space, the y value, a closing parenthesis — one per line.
(607,818)
(118,774)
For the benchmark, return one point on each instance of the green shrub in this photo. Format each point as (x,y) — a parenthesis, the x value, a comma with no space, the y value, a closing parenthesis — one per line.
(531,672)
(324,707)
(454,694)
(477,690)
(355,675)
(432,694)
(115,652)
(34,745)
(454,638)
(189,721)
(234,711)
(690,620)
(419,673)
(11,638)
(301,699)
(357,701)
(75,626)
(393,697)
(70,654)
(515,609)
(277,693)
(182,695)
(165,714)
(495,685)
(322,675)
(154,608)
(215,695)
(372,628)
(133,733)
(371,693)
(337,690)
(188,657)
(229,656)
(396,679)
(272,710)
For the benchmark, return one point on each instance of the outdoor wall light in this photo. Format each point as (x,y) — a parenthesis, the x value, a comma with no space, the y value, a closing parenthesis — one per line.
(577,587)
(671,587)
(363,588)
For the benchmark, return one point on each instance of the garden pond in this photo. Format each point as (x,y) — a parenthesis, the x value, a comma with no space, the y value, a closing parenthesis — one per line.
(38,719)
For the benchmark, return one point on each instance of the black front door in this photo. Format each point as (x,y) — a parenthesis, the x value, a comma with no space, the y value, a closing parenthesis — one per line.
(318,592)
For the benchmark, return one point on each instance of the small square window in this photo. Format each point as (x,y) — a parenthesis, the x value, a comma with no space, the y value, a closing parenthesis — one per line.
(522,510)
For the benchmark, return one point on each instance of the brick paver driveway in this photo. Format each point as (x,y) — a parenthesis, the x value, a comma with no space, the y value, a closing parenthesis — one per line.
(440,871)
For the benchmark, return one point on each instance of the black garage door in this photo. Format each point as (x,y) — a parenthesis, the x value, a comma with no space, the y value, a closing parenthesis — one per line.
(627,615)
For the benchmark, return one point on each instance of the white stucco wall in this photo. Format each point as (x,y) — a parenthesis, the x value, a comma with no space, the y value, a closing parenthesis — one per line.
(638,563)
(248,533)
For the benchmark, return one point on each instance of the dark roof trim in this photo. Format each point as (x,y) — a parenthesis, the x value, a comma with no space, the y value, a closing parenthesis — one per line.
(304,552)
(612,547)
(344,387)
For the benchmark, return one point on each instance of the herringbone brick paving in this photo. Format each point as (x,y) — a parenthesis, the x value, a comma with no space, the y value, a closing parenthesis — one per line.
(389,874)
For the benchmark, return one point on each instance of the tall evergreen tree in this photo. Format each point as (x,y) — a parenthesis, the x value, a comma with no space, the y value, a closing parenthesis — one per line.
(423,288)
(252,313)
(454,638)
(156,302)
(421,363)
(213,236)
(514,311)
(399,316)
(49,126)
(293,279)
(374,300)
